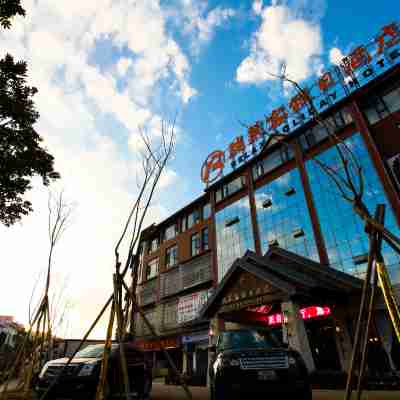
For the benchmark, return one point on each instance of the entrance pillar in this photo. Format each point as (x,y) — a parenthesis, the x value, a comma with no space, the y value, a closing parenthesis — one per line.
(217,325)
(343,339)
(294,332)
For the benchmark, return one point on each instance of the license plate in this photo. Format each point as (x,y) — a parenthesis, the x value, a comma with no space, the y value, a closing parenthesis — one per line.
(267,375)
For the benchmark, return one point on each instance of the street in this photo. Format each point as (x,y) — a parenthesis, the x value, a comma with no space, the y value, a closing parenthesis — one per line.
(169,392)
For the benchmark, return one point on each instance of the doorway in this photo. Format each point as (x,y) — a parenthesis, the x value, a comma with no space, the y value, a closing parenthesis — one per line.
(322,338)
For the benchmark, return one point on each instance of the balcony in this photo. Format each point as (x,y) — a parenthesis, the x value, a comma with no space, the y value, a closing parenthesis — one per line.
(147,293)
(187,275)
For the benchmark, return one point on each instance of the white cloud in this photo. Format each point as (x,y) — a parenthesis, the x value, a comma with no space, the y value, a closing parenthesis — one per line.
(123,65)
(284,37)
(335,55)
(199,23)
(75,95)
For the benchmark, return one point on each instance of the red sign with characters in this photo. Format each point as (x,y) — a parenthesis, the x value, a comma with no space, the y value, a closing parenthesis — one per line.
(306,313)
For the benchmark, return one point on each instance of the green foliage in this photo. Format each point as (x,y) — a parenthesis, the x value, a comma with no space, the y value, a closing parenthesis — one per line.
(21,156)
(8,9)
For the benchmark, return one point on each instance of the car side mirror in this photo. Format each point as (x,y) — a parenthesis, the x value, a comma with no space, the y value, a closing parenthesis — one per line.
(212,348)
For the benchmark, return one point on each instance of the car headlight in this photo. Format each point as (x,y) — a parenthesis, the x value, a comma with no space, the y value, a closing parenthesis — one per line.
(292,360)
(44,369)
(87,368)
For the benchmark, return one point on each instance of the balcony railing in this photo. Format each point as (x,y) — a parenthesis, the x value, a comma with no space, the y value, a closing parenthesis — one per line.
(147,293)
(187,275)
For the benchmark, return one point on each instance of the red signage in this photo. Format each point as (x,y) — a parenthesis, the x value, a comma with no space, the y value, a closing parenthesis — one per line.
(354,69)
(157,344)
(306,313)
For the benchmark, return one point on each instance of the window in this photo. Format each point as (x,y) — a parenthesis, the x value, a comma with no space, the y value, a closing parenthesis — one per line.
(195,244)
(170,232)
(152,269)
(171,257)
(207,211)
(193,218)
(230,188)
(204,239)
(153,245)
(392,100)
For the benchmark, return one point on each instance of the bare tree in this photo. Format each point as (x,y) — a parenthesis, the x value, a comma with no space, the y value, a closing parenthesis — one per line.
(40,317)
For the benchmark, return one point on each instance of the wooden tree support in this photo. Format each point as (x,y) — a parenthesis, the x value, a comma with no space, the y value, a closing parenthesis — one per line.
(376,271)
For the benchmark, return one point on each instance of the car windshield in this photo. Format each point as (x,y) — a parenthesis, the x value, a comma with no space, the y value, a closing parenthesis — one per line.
(92,351)
(247,338)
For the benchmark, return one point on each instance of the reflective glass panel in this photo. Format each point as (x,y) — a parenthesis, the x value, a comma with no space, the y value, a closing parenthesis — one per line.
(343,230)
(234,234)
(283,217)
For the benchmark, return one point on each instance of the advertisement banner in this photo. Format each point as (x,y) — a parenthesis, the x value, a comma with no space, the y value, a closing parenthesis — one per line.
(190,306)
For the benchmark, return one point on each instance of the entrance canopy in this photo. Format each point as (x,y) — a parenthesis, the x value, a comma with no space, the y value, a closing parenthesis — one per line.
(278,276)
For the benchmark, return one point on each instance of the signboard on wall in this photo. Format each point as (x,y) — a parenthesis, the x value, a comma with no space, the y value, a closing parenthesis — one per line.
(190,306)
(362,65)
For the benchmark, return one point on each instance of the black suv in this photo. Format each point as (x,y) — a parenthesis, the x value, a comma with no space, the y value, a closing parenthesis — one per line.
(254,362)
(81,376)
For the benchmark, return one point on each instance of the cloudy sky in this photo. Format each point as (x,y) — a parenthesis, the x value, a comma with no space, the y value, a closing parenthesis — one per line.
(105,67)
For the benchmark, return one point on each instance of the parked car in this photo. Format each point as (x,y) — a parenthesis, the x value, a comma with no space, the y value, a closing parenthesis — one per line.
(81,376)
(249,362)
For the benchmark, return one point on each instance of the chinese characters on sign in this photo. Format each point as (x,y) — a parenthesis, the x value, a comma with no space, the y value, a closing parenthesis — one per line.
(361,65)
(306,313)
(189,306)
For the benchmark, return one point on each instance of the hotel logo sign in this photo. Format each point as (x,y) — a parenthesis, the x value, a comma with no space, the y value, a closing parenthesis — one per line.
(362,65)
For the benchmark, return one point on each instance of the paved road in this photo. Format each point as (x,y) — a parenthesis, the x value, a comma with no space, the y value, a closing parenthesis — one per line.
(167,392)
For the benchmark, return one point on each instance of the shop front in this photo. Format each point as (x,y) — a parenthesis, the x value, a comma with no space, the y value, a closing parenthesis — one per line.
(304,304)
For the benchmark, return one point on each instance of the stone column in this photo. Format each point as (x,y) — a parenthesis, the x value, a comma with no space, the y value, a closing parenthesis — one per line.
(342,338)
(295,332)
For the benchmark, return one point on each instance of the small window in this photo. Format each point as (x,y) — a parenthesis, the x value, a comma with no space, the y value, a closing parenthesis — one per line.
(171,256)
(154,245)
(297,233)
(183,224)
(152,269)
(195,244)
(218,195)
(392,100)
(207,211)
(193,218)
(170,232)
(204,239)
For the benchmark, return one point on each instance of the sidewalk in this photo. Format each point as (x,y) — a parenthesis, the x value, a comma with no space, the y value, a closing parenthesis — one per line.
(170,392)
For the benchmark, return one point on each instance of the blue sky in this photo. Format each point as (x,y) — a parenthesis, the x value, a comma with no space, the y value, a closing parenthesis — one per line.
(105,67)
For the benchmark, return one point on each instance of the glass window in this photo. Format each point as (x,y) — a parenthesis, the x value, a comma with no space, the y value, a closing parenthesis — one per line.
(230,188)
(195,244)
(392,100)
(171,256)
(183,224)
(343,230)
(152,269)
(207,211)
(283,217)
(233,239)
(204,239)
(153,245)
(170,232)
(193,218)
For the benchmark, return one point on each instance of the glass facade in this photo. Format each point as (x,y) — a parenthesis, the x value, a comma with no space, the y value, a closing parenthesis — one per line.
(283,217)
(345,239)
(234,234)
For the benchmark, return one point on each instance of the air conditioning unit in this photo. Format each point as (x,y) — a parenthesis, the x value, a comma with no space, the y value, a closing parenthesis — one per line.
(394,165)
